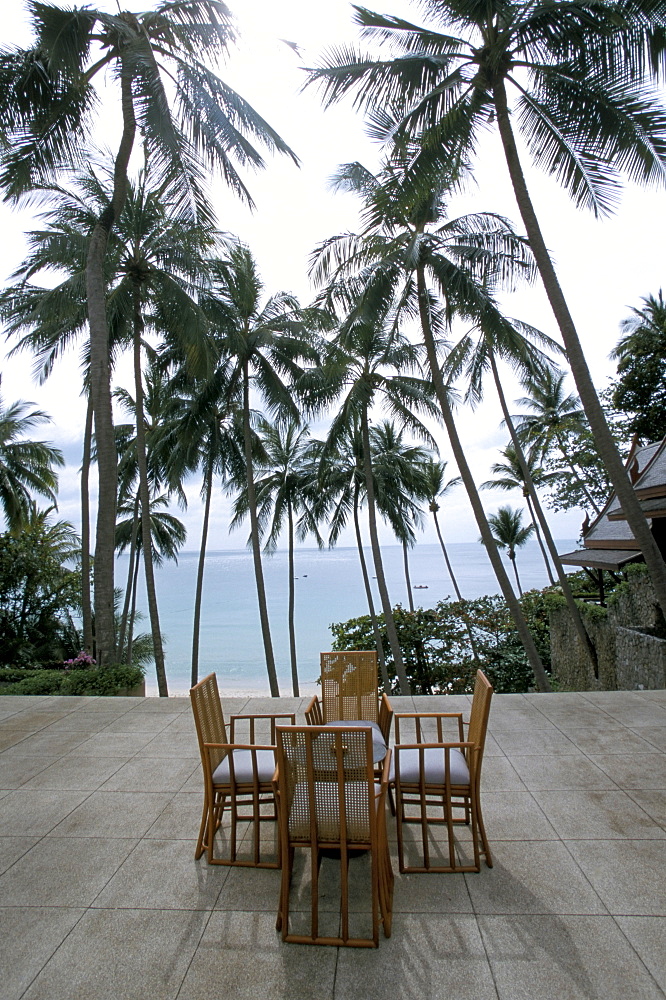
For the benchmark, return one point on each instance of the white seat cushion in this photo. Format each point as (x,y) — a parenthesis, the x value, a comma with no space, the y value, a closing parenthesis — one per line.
(243,767)
(434,766)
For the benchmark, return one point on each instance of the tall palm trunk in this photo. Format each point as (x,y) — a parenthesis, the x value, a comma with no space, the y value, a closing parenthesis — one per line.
(540,675)
(537,532)
(144,493)
(196,627)
(408,582)
(86,607)
(130,580)
(389,621)
(132,618)
(434,507)
(100,386)
(579,625)
(588,396)
(514,563)
(292,626)
(368,593)
(254,535)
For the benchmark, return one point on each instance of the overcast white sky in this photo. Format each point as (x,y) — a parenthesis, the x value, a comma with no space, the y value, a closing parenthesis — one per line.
(605,267)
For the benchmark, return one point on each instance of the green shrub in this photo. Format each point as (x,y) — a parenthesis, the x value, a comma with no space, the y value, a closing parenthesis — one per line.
(95,681)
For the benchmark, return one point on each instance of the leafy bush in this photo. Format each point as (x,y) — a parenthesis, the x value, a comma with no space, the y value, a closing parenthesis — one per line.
(106,680)
(436,645)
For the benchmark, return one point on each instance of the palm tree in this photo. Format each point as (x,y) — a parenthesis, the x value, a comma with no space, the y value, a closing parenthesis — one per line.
(436,488)
(26,467)
(396,258)
(641,384)
(367,364)
(285,488)
(582,107)
(509,533)
(509,475)
(264,343)
(554,413)
(188,119)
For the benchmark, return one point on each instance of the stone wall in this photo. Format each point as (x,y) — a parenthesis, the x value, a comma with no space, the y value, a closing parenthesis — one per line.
(631,651)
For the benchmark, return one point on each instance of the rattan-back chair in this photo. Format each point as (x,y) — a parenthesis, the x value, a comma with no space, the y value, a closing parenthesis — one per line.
(328,799)
(236,775)
(434,778)
(349,692)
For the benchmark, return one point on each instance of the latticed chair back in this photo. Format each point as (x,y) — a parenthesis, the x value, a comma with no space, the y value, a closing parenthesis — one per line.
(349,687)
(479,714)
(328,799)
(209,720)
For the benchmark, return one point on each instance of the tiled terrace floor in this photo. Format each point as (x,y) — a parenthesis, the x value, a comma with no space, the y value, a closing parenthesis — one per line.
(100,896)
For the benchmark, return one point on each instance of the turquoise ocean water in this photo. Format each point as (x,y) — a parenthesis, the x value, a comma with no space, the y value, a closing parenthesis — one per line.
(329,589)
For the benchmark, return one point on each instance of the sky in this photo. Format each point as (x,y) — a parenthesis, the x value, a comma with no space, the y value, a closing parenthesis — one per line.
(605,267)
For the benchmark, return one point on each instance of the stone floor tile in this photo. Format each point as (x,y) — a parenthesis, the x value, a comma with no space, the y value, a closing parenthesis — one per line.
(162,874)
(48,744)
(653,801)
(87,773)
(421,893)
(60,872)
(499,775)
(13,737)
(34,813)
(109,744)
(514,816)
(433,956)
(28,938)
(13,848)
(557,772)
(168,706)
(654,735)
(85,721)
(242,956)
(153,774)
(530,741)
(532,877)
(637,714)
(572,957)
(609,741)
(15,770)
(519,719)
(648,937)
(142,722)
(627,874)
(124,955)
(634,770)
(180,819)
(114,814)
(172,745)
(590,815)
(252,889)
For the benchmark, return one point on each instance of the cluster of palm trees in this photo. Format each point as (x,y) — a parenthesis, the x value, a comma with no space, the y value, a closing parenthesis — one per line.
(145,269)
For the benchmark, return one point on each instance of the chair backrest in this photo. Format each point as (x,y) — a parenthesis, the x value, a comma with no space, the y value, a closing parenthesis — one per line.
(349,688)
(327,785)
(208,719)
(478,718)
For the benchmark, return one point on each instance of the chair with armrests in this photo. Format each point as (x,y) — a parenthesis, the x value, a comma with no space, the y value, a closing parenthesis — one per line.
(434,777)
(349,692)
(236,775)
(329,800)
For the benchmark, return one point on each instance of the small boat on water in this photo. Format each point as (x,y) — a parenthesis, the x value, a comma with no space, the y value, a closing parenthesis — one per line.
(420,586)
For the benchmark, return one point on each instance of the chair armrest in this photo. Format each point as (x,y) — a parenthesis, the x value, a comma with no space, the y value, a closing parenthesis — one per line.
(313,713)
(385,717)
(418,716)
(273,716)
(229,749)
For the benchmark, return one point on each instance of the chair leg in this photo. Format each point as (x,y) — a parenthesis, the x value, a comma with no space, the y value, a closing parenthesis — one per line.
(201,842)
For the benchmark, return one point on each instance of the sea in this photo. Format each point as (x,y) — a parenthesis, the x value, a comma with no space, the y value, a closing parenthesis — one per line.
(329,589)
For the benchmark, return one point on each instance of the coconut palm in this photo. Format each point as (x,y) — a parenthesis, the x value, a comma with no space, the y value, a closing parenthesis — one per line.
(509,475)
(640,387)
(582,106)
(264,342)
(408,248)
(509,533)
(286,487)
(188,119)
(26,467)
(436,489)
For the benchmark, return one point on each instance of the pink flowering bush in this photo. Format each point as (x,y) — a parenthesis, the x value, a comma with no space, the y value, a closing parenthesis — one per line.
(81,662)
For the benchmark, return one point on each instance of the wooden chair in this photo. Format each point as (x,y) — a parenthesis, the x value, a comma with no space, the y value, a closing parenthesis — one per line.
(328,800)
(349,692)
(239,775)
(443,776)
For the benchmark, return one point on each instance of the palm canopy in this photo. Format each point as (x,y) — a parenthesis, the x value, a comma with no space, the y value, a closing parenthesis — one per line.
(188,117)
(577,71)
(508,531)
(26,467)
(553,412)
(509,474)
(436,484)
(398,467)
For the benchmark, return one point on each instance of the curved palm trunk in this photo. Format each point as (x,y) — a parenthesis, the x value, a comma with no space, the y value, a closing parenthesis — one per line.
(389,621)
(100,386)
(132,618)
(144,494)
(514,563)
(537,532)
(540,675)
(86,607)
(196,627)
(371,604)
(588,396)
(254,535)
(405,562)
(292,626)
(538,509)
(468,628)
(130,578)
